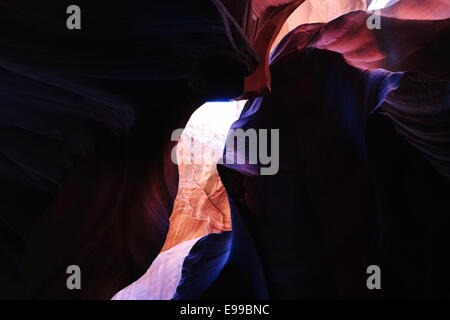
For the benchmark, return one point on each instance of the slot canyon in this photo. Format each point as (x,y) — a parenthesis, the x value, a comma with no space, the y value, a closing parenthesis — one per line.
(114,149)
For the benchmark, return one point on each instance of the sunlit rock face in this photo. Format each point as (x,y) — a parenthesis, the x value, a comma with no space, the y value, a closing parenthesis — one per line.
(272,20)
(417,9)
(317,11)
(201,206)
(161,280)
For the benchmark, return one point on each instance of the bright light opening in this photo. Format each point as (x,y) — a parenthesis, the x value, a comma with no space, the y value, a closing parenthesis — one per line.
(211,122)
